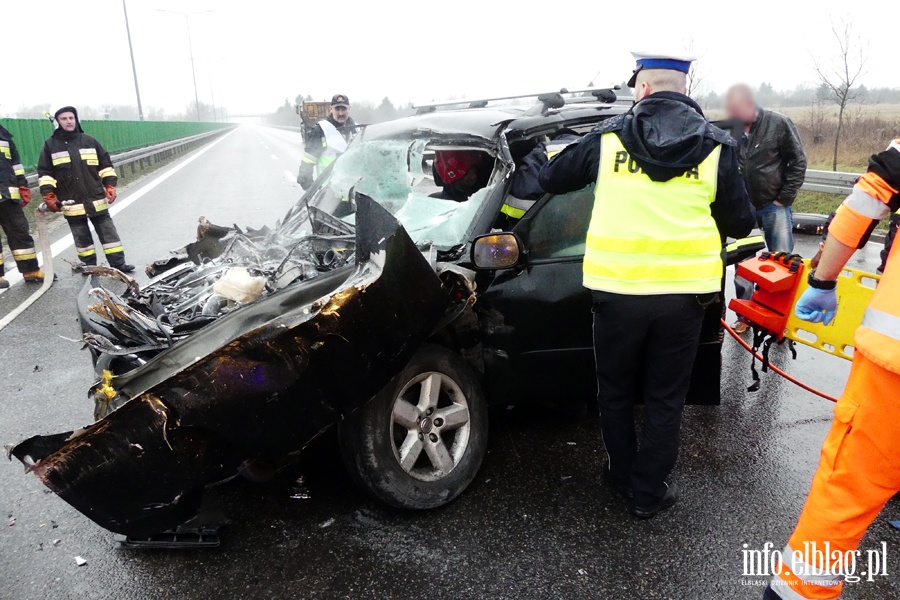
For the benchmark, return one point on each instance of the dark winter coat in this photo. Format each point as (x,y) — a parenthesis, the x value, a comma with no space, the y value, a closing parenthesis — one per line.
(12,173)
(774,161)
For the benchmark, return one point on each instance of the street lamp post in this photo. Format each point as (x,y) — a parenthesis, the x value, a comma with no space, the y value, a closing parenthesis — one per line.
(212,95)
(137,90)
(187,19)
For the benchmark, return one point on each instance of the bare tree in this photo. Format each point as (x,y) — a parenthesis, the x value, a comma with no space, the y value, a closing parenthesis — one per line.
(842,73)
(695,75)
(817,120)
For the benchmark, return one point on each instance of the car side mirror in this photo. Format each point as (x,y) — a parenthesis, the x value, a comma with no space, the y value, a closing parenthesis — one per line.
(496,251)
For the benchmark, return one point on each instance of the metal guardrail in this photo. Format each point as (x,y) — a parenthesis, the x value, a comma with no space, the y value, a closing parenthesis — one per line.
(136,158)
(117,136)
(834,182)
(829,182)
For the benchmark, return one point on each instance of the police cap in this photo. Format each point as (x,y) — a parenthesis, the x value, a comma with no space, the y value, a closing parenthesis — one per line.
(656,60)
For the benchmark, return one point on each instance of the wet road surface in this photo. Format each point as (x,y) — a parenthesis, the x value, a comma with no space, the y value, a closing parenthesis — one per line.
(536,523)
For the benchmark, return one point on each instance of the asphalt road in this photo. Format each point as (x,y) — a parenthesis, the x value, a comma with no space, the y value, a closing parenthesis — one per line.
(536,523)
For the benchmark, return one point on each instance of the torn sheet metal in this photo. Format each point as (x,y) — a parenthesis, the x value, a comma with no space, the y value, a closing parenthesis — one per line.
(234,268)
(258,383)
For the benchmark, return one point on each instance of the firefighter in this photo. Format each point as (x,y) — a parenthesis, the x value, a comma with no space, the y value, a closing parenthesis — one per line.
(668,189)
(329,139)
(14,195)
(525,189)
(460,173)
(77,177)
(859,469)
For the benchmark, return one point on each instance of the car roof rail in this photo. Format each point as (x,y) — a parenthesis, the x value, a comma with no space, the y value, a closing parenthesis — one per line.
(545,100)
(604,95)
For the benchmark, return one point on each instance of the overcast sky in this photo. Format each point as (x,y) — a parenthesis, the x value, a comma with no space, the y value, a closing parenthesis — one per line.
(254,54)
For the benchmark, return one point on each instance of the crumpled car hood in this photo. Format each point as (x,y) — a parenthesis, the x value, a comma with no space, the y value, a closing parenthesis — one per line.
(257,384)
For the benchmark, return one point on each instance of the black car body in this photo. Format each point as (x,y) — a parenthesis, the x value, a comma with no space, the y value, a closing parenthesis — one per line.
(381,324)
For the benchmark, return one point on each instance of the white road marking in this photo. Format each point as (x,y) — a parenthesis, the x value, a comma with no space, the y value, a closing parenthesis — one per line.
(274,157)
(121,204)
(290,177)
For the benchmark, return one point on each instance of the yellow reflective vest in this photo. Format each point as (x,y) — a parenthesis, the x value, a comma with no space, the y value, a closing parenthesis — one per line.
(652,237)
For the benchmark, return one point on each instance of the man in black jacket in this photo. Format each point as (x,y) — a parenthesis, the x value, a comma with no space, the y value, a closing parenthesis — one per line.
(14,194)
(668,189)
(774,165)
(77,176)
(328,140)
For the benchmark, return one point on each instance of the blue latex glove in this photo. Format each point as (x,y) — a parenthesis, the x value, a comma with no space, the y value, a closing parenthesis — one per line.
(817,306)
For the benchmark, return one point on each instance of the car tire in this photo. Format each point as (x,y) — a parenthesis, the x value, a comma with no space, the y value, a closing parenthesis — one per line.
(420,442)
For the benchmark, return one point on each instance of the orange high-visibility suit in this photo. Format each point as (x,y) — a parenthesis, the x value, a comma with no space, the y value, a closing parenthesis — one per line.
(859,469)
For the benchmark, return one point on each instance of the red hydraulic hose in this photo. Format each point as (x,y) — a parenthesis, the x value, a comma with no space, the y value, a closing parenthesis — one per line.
(793,380)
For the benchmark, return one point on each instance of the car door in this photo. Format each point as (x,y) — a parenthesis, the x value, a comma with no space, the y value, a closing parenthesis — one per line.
(538,315)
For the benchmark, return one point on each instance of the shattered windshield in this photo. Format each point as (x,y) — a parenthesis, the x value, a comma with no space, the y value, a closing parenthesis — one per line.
(398,175)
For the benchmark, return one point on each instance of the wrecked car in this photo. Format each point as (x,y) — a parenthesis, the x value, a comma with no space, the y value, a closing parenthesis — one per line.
(374,305)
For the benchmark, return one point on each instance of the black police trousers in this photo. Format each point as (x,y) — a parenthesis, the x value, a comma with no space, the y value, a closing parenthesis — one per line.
(15,226)
(644,348)
(106,231)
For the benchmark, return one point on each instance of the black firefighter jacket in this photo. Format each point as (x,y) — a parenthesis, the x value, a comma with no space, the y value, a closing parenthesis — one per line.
(12,173)
(76,167)
(773,160)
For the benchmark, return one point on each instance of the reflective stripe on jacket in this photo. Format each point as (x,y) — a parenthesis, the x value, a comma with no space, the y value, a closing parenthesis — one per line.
(516,207)
(79,209)
(75,166)
(648,237)
(873,199)
(878,337)
(12,173)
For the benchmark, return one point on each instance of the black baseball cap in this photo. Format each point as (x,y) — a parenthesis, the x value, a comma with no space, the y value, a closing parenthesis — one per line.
(340,100)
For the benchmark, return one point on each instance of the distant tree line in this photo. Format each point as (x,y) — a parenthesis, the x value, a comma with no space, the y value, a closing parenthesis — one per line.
(127,112)
(805,96)
(362,111)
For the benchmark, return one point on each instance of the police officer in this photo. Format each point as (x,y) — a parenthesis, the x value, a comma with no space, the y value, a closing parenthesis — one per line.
(328,140)
(15,194)
(76,176)
(667,191)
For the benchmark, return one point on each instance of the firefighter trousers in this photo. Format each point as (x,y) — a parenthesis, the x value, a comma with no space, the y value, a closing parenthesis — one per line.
(106,231)
(858,472)
(15,226)
(644,348)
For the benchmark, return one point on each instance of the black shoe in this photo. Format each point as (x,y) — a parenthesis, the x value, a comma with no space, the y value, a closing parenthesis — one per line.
(622,488)
(668,500)
(125,268)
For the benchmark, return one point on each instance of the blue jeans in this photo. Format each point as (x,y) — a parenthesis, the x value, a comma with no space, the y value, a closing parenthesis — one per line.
(777,224)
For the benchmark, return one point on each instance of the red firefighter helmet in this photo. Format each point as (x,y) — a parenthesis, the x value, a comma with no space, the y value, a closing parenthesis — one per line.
(452,165)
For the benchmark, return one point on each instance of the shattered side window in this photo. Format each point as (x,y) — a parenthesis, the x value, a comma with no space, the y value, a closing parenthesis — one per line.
(397,175)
